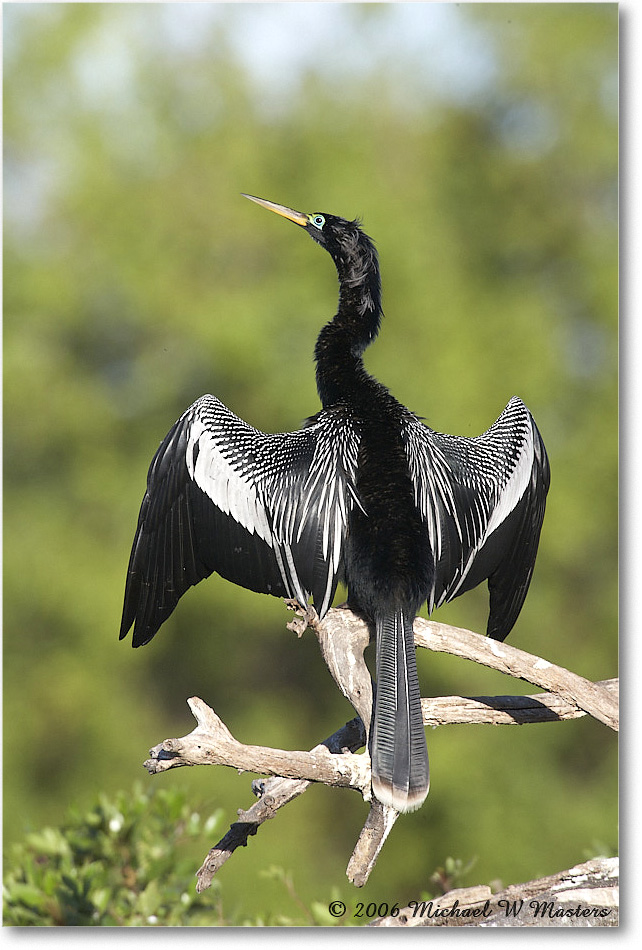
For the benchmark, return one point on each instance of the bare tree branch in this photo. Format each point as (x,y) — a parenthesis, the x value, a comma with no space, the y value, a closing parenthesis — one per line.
(211,743)
(578,692)
(504,710)
(584,896)
(582,693)
(273,794)
(343,637)
(276,792)
(378,826)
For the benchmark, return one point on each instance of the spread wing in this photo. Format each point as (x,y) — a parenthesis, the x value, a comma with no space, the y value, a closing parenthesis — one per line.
(482,500)
(268,512)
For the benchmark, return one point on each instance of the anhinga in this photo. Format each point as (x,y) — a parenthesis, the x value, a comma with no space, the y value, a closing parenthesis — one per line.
(364,493)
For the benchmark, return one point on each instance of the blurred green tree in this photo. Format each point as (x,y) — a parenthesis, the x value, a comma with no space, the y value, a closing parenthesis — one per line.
(136,279)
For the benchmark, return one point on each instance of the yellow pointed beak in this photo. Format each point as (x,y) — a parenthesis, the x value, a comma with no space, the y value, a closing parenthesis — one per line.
(296,216)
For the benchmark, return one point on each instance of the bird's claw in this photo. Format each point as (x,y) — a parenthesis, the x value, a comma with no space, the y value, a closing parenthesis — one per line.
(305,617)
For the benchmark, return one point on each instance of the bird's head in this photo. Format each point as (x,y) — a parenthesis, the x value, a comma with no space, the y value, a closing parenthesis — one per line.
(355,258)
(337,235)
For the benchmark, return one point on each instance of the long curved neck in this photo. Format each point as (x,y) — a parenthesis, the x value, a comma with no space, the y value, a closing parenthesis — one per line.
(341,342)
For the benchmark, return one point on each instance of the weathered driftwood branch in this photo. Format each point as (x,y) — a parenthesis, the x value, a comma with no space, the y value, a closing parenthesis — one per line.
(504,710)
(273,794)
(378,826)
(583,896)
(342,637)
(276,792)
(211,743)
(579,693)
(593,698)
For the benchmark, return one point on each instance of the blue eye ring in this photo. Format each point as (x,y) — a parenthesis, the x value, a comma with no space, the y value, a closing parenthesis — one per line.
(317,220)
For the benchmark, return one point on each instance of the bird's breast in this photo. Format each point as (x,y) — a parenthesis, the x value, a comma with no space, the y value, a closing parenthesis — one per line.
(388,558)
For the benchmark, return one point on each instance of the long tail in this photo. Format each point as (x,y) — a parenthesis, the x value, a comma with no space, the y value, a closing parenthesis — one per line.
(398,750)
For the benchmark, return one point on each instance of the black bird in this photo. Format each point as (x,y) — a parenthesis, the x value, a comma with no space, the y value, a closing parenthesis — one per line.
(364,493)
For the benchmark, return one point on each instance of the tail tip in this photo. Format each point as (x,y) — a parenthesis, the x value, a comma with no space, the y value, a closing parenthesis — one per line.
(403,800)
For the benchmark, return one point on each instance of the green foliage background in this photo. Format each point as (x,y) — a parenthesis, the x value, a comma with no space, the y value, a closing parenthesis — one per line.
(137,279)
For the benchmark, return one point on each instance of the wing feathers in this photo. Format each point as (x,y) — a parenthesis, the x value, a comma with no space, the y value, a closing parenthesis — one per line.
(482,501)
(268,512)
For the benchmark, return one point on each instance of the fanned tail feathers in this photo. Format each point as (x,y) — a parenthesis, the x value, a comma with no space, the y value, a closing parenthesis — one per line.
(398,750)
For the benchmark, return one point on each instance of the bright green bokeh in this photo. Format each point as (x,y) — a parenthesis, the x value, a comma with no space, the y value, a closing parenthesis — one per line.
(137,279)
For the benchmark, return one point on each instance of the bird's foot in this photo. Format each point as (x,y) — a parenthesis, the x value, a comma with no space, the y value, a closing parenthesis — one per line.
(305,617)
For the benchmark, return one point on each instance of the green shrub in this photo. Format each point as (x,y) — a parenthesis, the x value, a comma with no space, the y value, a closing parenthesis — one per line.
(125,863)
(117,865)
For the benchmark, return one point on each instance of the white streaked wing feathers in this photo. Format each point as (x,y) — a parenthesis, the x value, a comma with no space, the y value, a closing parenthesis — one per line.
(279,487)
(490,473)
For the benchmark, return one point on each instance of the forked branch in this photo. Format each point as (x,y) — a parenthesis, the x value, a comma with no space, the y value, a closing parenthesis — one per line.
(342,637)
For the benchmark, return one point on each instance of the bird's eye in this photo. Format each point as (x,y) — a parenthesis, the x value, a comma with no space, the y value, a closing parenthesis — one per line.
(317,220)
